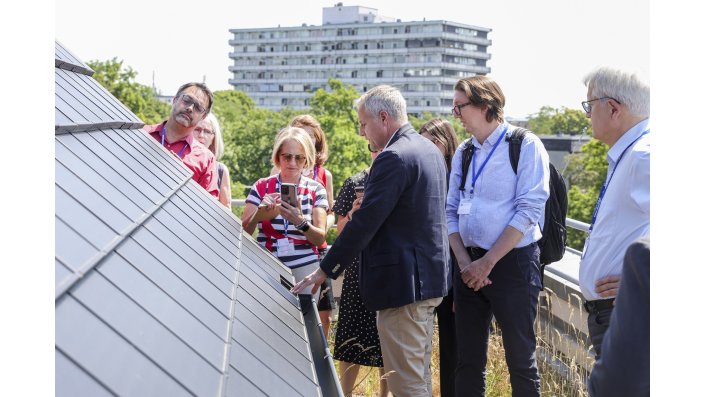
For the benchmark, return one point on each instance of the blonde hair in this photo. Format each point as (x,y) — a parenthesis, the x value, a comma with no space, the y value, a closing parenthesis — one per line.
(298,135)
(218,145)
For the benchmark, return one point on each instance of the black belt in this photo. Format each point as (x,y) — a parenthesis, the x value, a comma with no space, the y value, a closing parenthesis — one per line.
(477,252)
(593,307)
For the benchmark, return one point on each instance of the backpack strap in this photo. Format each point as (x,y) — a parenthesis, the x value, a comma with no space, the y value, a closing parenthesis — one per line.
(468,151)
(220,175)
(515,140)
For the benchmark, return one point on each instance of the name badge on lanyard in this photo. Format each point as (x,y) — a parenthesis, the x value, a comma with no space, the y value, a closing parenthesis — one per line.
(464,207)
(285,247)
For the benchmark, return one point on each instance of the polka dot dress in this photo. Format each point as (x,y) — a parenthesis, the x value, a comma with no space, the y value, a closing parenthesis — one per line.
(356,338)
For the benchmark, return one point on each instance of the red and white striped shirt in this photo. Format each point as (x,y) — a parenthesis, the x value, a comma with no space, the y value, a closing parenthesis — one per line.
(312,195)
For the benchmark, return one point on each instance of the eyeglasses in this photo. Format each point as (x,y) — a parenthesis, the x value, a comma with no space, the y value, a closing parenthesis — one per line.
(456,108)
(587,106)
(286,157)
(199,131)
(188,101)
(370,149)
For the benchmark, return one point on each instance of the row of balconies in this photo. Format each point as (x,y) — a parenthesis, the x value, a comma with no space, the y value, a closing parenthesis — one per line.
(361,66)
(368,38)
(368,82)
(382,51)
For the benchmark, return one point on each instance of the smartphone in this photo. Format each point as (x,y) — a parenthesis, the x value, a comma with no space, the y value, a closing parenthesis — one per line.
(359,191)
(288,193)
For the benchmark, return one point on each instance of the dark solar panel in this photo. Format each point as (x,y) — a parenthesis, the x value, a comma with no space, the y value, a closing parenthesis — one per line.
(158,291)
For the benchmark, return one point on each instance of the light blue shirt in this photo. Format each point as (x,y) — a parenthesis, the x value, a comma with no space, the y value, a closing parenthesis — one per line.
(501,198)
(624,214)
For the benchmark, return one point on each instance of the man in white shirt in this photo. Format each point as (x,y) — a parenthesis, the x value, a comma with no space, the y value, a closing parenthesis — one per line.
(618,107)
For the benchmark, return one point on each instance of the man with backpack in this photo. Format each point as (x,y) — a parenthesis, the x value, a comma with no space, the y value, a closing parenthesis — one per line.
(493,214)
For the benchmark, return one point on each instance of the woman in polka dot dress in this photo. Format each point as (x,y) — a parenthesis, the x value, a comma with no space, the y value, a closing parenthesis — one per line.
(356,338)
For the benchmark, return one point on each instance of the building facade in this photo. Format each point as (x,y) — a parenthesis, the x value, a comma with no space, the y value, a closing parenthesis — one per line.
(283,66)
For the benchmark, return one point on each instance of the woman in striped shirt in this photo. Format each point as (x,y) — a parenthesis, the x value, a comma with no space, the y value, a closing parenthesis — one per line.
(292,233)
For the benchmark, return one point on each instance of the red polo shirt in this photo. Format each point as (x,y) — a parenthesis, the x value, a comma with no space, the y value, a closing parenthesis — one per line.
(195,156)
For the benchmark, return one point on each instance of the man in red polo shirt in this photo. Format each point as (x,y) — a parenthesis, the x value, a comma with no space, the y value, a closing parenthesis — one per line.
(191,104)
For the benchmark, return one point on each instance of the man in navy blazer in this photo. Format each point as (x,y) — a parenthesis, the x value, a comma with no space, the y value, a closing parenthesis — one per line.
(402,233)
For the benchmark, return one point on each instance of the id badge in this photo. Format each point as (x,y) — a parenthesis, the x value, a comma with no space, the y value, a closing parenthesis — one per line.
(285,247)
(464,207)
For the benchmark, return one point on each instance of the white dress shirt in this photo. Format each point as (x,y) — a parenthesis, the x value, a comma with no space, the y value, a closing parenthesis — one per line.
(624,213)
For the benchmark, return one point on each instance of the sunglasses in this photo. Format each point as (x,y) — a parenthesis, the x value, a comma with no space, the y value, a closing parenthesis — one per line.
(286,157)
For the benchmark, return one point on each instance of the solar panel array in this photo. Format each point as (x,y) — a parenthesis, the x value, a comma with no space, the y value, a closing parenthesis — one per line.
(158,289)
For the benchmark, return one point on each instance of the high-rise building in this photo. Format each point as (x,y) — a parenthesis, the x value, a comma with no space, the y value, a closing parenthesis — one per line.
(283,66)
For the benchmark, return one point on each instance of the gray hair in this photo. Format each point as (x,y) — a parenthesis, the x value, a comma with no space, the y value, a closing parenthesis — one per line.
(627,88)
(384,98)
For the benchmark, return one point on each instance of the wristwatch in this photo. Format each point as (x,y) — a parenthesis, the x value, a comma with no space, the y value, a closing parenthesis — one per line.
(303,226)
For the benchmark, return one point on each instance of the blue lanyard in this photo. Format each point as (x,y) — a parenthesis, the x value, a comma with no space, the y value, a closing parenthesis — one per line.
(607,182)
(482,167)
(185,143)
(315,172)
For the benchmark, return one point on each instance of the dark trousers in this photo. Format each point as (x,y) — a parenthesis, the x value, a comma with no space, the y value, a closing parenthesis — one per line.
(598,321)
(446,345)
(512,298)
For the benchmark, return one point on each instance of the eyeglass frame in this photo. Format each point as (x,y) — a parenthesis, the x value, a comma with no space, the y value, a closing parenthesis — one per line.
(370,149)
(587,107)
(299,158)
(187,100)
(458,107)
(199,130)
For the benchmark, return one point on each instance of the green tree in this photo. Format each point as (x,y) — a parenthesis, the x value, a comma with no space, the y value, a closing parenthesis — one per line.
(140,99)
(346,148)
(585,172)
(418,122)
(553,121)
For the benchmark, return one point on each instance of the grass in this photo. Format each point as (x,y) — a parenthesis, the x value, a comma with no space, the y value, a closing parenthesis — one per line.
(560,375)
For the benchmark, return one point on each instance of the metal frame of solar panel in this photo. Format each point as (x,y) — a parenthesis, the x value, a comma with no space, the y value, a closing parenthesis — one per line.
(158,289)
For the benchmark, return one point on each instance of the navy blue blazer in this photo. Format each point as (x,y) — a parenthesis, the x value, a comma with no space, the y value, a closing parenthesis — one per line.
(623,367)
(400,228)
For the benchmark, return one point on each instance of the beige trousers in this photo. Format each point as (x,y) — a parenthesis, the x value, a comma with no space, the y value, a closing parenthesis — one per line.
(405,336)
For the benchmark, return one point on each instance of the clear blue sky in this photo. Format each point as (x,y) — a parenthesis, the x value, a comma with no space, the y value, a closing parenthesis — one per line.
(541,49)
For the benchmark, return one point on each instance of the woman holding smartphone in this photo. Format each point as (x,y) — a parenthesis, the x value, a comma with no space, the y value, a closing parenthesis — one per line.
(291,232)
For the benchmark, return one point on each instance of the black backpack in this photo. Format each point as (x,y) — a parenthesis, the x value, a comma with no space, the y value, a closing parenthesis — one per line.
(553,240)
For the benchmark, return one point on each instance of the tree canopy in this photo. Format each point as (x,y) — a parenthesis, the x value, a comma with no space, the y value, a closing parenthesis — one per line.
(249,134)
(140,99)
(553,121)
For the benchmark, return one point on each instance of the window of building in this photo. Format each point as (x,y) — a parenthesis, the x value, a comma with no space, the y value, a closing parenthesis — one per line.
(353,74)
(284,101)
(380,73)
